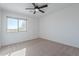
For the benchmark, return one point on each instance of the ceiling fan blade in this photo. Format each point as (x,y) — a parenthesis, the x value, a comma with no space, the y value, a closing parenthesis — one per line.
(41,11)
(43,6)
(29,8)
(33,4)
(34,12)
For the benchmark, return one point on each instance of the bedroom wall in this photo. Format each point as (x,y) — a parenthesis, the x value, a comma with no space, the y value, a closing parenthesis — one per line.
(10,38)
(0,28)
(62,26)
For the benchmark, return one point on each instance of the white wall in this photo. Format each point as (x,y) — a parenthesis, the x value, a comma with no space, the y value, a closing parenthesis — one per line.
(62,26)
(10,38)
(0,28)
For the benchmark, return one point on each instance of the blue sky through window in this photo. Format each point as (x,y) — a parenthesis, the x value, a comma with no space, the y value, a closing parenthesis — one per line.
(16,24)
(12,23)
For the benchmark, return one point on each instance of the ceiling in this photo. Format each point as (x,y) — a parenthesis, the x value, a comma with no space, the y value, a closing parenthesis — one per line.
(20,8)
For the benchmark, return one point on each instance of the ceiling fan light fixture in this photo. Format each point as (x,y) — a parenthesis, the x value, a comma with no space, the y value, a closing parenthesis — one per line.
(36,10)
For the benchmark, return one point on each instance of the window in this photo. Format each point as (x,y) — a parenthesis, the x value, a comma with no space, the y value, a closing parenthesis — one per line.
(16,24)
(22,25)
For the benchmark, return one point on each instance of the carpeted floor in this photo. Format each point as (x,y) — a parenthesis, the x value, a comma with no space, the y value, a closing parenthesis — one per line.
(39,47)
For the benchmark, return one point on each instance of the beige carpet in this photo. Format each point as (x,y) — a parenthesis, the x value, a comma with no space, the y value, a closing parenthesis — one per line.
(39,47)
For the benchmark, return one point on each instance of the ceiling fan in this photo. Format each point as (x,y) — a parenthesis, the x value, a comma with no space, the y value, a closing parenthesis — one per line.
(37,8)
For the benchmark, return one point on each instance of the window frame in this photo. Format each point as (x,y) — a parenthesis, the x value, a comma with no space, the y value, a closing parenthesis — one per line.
(17,24)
